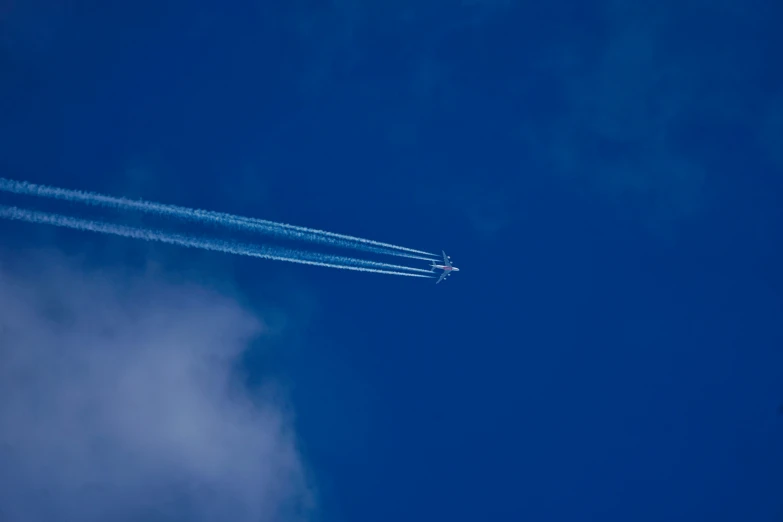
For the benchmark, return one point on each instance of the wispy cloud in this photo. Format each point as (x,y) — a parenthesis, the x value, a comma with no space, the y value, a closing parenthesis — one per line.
(641,99)
(118,400)
(632,103)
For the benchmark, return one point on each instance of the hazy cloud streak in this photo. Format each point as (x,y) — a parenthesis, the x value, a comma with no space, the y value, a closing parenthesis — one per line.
(117,402)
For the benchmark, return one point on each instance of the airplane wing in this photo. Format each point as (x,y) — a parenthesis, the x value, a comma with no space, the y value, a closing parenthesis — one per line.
(446,260)
(443,276)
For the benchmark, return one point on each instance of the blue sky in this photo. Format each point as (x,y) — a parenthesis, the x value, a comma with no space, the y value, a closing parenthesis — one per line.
(606,175)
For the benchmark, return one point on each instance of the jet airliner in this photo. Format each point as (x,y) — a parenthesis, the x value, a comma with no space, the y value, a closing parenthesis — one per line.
(447,268)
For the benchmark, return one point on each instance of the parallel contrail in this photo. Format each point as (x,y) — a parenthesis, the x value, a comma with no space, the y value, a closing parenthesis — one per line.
(206,216)
(273,253)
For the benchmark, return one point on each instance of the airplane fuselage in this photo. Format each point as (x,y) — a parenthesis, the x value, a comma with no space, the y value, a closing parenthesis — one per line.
(447,268)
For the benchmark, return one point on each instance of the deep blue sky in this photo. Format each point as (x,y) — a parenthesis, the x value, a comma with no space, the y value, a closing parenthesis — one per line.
(608,176)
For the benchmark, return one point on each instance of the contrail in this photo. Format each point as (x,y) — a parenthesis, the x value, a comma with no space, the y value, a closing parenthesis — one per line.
(272,253)
(220,218)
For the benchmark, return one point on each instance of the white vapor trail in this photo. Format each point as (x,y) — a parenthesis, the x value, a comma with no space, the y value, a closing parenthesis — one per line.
(272,253)
(206,216)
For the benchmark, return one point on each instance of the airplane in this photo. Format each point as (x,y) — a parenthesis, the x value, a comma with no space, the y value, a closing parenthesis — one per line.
(446,267)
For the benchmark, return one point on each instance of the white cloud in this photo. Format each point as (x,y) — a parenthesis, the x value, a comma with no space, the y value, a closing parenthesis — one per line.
(118,401)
